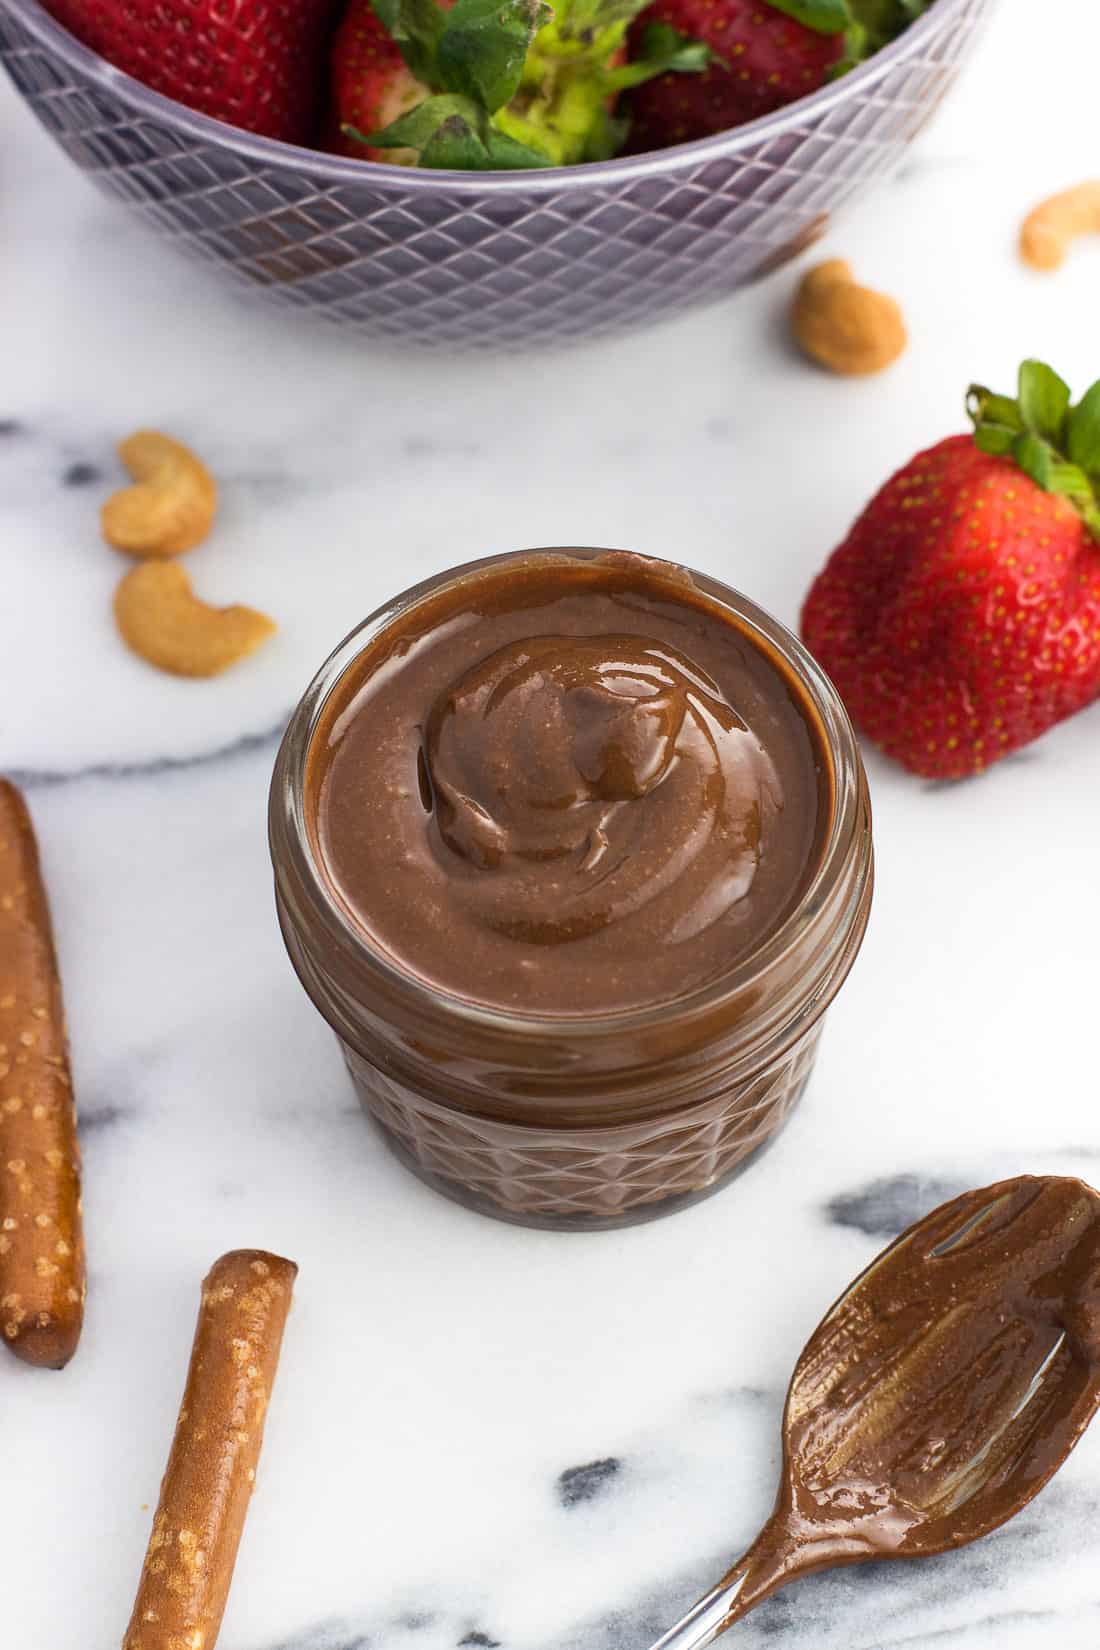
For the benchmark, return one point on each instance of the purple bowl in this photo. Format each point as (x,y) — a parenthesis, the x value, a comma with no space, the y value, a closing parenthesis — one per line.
(499,260)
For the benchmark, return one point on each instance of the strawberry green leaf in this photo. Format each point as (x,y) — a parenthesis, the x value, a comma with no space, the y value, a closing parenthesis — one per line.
(483,47)
(884,20)
(580,20)
(995,439)
(857,49)
(997,420)
(1057,446)
(986,408)
(1044,400)
(445,130)
(1034,458)
(452,133)
(1037,459)
(874,23)
(506,155)
(664,50)
(1069,481)
(823,16)
(455,147)
(415,26)
(1083,432)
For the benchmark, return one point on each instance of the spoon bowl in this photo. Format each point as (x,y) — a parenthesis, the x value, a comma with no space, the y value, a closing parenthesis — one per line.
(937,1397)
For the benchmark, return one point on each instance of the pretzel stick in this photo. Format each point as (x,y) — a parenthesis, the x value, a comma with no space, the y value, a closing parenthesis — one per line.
(208,1482)
(42,1277)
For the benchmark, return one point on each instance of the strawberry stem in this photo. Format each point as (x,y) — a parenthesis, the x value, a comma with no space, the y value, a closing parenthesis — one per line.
(871,25)
(1054,442)
(516,83)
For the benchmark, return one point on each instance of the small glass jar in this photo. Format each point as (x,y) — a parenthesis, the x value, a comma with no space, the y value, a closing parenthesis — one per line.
(581,1121)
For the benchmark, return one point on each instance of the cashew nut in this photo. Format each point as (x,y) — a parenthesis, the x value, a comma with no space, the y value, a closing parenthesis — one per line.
(846,327)
(170,508)
(161,620)
(1048,231)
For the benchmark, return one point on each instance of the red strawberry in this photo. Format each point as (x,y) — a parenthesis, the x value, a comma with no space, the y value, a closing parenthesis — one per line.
(258,64)
(371,84)
(761,60)
(961,617)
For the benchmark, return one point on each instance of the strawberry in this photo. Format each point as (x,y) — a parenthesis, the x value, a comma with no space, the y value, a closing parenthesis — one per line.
(960,619)
(491,84)
(257,64)
(372,85)
(762,60)
(763,56)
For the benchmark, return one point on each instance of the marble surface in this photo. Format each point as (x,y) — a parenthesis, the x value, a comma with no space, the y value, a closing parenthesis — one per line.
(484,1436)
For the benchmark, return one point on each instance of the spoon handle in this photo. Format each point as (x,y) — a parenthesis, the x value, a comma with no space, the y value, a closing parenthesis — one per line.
(748,1584)
(709,1618)
(772,1560)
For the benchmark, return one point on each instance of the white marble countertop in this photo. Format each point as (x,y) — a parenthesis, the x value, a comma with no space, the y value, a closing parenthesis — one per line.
(485,1436)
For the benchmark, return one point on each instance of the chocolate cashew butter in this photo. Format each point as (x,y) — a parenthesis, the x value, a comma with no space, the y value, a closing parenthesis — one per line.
(572,851)
(568,786)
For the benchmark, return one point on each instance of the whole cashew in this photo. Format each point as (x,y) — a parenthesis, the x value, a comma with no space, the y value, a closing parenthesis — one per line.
(1048,231)
(164,623)
(846,327)
(170,508)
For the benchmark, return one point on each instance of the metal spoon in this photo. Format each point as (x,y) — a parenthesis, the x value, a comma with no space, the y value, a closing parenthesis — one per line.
(938,1396)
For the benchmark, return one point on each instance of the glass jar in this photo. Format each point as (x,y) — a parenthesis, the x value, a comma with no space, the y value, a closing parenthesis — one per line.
(581,1121)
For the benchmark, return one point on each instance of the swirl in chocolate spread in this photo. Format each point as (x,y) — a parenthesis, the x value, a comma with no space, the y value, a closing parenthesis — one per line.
(588,776)
(568,786)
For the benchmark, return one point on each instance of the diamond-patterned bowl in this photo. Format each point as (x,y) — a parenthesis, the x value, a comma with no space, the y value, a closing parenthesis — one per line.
(487,260)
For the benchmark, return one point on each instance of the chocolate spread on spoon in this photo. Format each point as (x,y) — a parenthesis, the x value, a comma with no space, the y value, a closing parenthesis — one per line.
(938,1396)
(571,785)
(951,1381)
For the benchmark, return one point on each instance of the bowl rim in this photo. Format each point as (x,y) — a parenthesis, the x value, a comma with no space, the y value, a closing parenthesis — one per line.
(273,152)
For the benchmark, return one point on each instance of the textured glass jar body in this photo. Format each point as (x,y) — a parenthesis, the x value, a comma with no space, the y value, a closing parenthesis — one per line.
(578,1178)
(580,1121)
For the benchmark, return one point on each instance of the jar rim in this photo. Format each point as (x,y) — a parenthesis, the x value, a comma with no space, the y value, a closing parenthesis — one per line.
(288,814)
